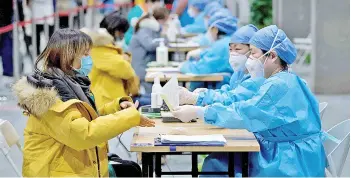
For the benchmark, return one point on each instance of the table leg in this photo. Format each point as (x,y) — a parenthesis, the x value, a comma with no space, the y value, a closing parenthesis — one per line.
(231,164)
(151,165)
(206,85)
(144,163)
(158,169)
(194,170)
(245,163)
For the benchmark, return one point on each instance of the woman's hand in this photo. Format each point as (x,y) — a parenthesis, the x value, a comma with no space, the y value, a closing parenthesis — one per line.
(146,122)
(128,104)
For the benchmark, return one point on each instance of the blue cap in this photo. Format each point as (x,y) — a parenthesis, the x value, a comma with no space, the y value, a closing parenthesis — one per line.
(273,37)
(226,24)
(213,6)
(219,14)
(199,4)
(244,34)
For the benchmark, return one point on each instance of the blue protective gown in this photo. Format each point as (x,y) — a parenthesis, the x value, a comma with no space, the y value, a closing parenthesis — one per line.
(198,26)
(226,96)
(217,55)
(137,11)
(184,18)
(284,116)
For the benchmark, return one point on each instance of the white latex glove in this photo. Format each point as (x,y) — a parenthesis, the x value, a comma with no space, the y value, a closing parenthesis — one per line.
(187,113)
(187,97)
(194,54)
(200,90)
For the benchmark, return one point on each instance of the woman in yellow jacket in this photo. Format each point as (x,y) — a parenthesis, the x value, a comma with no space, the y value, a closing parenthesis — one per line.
(66,134)
(112,75)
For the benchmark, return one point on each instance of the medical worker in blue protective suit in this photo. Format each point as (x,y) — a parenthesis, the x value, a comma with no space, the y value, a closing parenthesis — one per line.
(180,7)
(204,38)
(283,114)
(242,86)
(202,61)
(196,11)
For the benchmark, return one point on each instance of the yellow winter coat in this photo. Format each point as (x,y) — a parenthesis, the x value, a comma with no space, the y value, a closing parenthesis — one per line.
(68,138)
(112,75)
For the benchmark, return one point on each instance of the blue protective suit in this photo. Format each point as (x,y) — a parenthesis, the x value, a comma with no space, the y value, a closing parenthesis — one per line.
(284,116)
(184,18)
(136,12)
(217,55)
(247,88)
(198,26)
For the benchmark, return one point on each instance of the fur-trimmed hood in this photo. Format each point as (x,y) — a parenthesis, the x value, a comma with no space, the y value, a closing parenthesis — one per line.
(100,37)
(150,23)
(33,99)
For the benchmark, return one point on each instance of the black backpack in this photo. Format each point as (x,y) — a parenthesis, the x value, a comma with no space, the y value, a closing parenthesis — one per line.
(124,168)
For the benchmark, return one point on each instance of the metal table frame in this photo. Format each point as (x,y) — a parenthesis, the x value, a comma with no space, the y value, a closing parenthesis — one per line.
(148,160)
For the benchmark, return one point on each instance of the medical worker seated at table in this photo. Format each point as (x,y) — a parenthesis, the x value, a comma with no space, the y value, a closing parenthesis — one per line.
(135,13)
(242,85)
(66,134)
(221,27)
(283,114)
(196,11)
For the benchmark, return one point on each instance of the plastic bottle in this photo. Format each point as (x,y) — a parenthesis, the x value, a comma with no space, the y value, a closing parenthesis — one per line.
(162,53)
(156,100)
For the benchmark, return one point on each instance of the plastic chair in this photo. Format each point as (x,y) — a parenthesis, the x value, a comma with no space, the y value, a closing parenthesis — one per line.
(322,107)
(336,151)
(8,138)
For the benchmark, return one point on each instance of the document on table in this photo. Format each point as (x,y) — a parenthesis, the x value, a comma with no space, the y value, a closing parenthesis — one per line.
(194,139)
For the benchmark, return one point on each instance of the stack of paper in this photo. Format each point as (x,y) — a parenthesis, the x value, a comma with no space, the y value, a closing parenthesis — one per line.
(193,140)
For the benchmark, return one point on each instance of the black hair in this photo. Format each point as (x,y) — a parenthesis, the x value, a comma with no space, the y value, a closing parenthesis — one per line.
(114,22)
(221,33)
(282,62)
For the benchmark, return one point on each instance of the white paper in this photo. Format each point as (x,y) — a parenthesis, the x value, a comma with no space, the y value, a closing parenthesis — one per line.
(171,93)
(193,138)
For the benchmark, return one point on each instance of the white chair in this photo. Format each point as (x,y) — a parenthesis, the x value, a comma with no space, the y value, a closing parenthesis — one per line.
(336,151)
(322,107)
(8,138)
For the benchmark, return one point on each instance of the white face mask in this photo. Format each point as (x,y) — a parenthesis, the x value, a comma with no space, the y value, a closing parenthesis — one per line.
(192,12)
(237,61)
(209,36)
(255,66)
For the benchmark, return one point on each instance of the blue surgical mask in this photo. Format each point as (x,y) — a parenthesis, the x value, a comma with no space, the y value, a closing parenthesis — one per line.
(86,65)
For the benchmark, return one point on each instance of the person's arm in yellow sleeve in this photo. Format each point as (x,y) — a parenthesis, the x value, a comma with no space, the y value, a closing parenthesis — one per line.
(115,65)
(80,133)
(113,106)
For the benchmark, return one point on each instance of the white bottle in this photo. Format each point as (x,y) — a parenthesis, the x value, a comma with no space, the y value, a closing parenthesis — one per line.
(156,100)
(162,53)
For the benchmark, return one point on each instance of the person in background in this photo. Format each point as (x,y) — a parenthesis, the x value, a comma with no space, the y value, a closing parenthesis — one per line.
(143,45)
(63,120)
(196,11)
(283,114)
(180,8)
(210,9)
(41,9)
(201,61)
(242,85)
(6,45)
(64,6)
(107,82)
(136,12)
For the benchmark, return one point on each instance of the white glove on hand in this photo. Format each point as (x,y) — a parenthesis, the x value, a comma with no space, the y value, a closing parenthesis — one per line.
(187,97)
(194,54)
(187,113)
(200,90)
